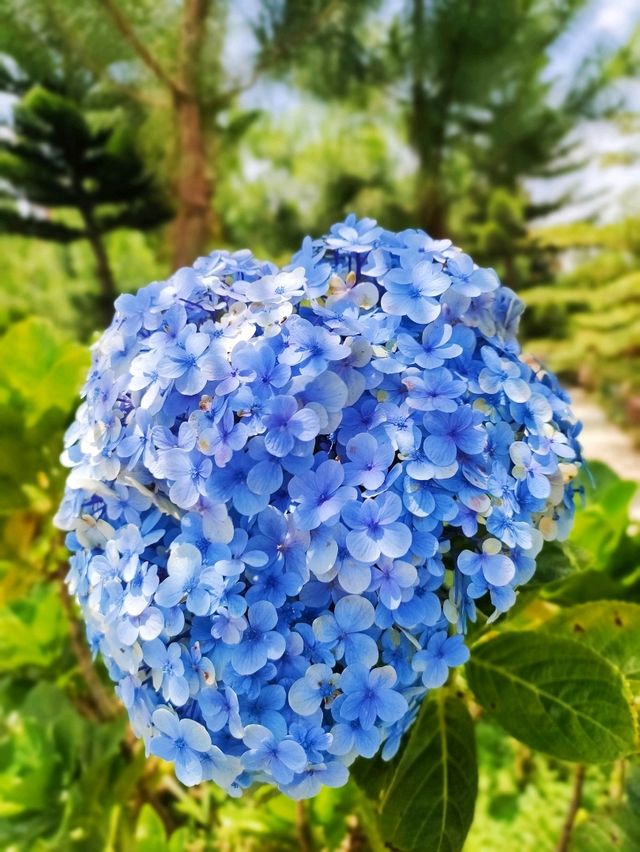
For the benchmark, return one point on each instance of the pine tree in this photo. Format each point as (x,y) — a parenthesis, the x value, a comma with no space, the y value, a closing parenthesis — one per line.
(168,60)
(467,82)
(64,180)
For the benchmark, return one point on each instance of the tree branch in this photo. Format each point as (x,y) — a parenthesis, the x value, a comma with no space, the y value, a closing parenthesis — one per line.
(76,46)
(124,27)
(574,804)
(262,66)
(194,17)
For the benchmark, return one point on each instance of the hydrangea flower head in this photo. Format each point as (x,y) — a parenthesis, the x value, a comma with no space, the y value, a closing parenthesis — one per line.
(291,490)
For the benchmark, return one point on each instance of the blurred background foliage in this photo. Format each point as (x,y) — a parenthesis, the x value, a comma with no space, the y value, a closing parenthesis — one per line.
(135,135)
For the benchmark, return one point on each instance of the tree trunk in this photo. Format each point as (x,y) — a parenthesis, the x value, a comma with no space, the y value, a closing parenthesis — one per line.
(195,225)
(104,273)
(432,206)
(426,135)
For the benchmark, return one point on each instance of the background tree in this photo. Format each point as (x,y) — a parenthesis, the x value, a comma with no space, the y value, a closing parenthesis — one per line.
(469,84)
(174,58)
(53,159)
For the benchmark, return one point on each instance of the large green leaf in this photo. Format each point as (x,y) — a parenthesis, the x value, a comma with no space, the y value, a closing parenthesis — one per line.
(150,835)
(615,827)
(556,562)
(33,630)
(601,523)
(618,831)
(554,694)
(41,369)
(610,628)
(430,798)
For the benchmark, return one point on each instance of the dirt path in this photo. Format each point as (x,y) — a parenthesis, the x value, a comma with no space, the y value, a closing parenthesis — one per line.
(606,442)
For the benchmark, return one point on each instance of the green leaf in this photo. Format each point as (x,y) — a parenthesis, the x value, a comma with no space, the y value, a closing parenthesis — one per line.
(558,561)
(610,628)
(430,798)
(33,630)
(599,526)
(617,831)
(179,840)
(554,694)
(150,833)
(43,370)
(588,586)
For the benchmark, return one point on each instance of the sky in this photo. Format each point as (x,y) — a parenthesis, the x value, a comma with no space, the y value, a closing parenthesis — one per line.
(601,189)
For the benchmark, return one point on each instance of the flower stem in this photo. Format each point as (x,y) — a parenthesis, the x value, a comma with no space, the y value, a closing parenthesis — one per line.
(303,828)
(574,804)
(104,705)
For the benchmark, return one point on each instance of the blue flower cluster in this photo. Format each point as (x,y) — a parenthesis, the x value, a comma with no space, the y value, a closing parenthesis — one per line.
(291,489)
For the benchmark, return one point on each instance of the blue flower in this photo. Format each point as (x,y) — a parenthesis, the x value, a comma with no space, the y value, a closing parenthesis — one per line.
(509,530)
(442,653)
(231,484)
(199,670)
(392,579)
(242,552)
(264,709)
(220,709)
(312,346)
(468,279)
(411,293)
(188,474)
(502,374)
(260,642)
(189,579)
(227,627)
(435,390)
(312,737)
(369,461)
(285,424)
(369,695)
(343,629)
(270,376)
(280,477)
(352,739)
(282,287)
(223,439)
(435,347)
(329,773)
(308,693)
(493,565)
(532,469)
(274,585)
(147,625)
(189,362)
(281,759)
(281,541)
(167,670)
(182,741)
(354,235)
(320,495)
(453,433)
(375,529)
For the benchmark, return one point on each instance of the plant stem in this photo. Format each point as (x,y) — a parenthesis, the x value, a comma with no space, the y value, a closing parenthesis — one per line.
(105,706)
(303,828)
(574,804)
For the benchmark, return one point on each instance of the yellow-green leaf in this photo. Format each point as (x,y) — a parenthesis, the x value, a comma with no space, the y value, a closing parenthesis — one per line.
(554,694)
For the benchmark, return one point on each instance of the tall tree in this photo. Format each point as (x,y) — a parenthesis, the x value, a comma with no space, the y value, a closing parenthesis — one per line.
(53,159)
(468,80)
(173,58)
(196,221)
